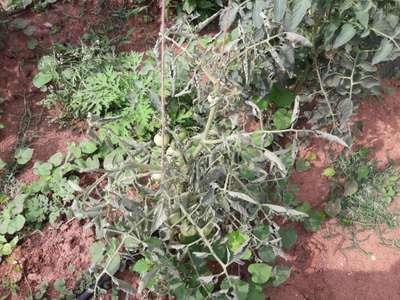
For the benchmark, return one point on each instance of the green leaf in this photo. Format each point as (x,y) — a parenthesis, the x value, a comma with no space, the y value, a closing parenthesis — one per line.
(6,249)
(333,208)
(42,168)
(142,266)
(362,172)
(241,288)
(41,79)
(237,240)
(88,147)
(302,165)
(289,237)
(16,224)
(267,254)
(300,9)
(114,264)
(282,119)
(281,97)
(384,51)
(350,188)
(280,274)
(59,285)
(255,293)
(75,150)
(19,23)
(279,9)
(346,34)
(97,252)
(47,63)
(314,222)
(260,272)
(2,164)
(30,30)
(363,17)
(32,44)
(23,155)
(329,172)
(56,159)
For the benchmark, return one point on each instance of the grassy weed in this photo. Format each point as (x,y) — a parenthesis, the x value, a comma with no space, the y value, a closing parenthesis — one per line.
(363,193)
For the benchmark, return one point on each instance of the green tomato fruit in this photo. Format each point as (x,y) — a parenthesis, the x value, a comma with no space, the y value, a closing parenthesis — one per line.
(156,177)
(188,230)
(158,140)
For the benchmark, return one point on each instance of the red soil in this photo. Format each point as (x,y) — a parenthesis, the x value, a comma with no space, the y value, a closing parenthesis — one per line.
(54,253)
(47,255)
(324,267)
(328,264)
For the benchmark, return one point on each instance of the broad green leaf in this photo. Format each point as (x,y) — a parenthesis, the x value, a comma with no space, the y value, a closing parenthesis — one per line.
(30,30)
(363,17)
(114,264)
(16,224)
(255,293)
(237,240)
(59,285)
(241,288)
(23,155)
(32,44)
(18,203)
(329,172)
(267,254)
(279,9)
(350,188)
(142,266)
(56,159)
(41,79)
(261,231)
(333,208)
(384,51)
(280,275)
(314,222)
(42,168)
(75,150)
(260,272)
(282,119)
(19,23)
(88,147)
(97,252)
(346,34)
(289,237)
(302,165)
(300,9)
(5,249)
(281,97)
(47,63)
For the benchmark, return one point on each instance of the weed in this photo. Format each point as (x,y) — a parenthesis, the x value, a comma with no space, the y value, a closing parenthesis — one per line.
(362,194)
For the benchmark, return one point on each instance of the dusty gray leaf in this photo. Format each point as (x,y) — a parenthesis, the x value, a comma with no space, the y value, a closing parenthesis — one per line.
(384,51)
(347,32)
(300,9)
(331,138)
(295,38)
(228,16)
(160,216)
(274,159)
(259,6)
(279,9)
